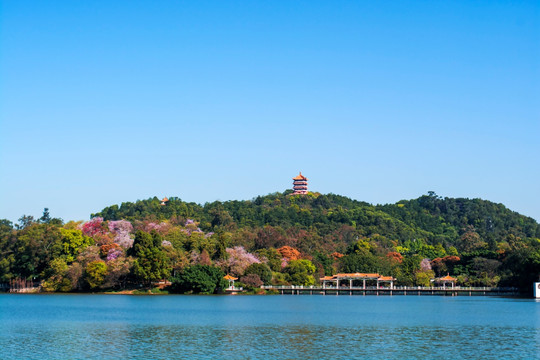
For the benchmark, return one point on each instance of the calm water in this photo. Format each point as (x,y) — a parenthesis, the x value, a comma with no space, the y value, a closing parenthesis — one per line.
(267,327)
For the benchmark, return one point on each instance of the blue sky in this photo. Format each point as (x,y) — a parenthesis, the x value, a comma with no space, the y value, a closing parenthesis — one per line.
(105,102)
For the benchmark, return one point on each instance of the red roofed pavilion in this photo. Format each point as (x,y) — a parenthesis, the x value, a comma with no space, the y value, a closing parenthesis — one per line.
(300,184)
(446,280)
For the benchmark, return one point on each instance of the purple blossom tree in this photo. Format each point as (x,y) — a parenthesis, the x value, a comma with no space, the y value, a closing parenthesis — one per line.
(191,227)
(239,259)
(122,232)
(425,265)
(113,254)
(161,228)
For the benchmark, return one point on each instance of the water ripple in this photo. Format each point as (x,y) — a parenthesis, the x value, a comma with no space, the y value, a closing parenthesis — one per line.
(248,328)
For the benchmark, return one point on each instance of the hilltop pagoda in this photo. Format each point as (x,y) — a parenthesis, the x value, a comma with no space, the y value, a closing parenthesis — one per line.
(300,184)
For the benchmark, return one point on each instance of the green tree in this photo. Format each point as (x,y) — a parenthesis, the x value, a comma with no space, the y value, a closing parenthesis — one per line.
(199,279)
(57,280)
(46,217)
(95,273)
(408,268)
(260,269)
(300,272)
(522,266)
(73,243)
(36,245)
(7,249)
(364,263)
(326,262)
(272,257)
(423,278)
(25,221)
(151,263)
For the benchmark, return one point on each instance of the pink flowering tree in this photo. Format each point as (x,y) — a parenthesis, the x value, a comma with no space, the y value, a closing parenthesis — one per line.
(94,227)
(162,228)
(239,259)
(122,232)
(98,230)
(192,227)
(425,265)
(425,274)
(114,254)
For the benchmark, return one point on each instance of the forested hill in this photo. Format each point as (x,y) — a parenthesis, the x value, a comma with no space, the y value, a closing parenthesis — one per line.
(332,222)
(274,239)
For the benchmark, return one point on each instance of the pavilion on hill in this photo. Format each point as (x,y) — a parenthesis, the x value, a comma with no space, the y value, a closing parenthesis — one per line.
(300,184)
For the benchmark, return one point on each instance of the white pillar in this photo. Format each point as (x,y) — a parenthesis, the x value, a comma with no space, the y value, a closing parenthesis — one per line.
(364,283)
(350,283)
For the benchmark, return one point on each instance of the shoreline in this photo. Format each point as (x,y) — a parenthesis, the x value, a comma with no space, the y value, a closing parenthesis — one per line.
(334,294)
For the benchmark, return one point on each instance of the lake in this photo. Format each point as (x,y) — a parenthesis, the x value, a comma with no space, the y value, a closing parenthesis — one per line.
(267,327)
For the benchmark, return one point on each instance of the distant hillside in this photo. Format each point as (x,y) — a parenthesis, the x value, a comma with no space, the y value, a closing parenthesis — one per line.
(275,239)
(333,222)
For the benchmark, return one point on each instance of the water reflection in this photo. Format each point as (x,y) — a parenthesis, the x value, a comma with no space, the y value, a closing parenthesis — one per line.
(267,327)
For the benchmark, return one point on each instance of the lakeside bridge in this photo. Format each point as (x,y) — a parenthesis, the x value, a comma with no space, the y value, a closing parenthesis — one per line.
(375,284)
(398,290)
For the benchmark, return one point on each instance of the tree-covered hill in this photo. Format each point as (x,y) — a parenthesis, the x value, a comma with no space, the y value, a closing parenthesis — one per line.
(279,238)
(456,220)
(466,224)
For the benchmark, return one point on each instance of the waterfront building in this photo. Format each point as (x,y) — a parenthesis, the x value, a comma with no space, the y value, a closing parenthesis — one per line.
(232,289)
(300,184)
(348,279)
(446,280)
(231,280)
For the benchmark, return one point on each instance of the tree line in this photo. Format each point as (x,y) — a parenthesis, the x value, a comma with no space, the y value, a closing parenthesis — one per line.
(277,239)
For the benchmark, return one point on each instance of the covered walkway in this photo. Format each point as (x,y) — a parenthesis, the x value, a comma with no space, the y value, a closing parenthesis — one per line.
(347,280)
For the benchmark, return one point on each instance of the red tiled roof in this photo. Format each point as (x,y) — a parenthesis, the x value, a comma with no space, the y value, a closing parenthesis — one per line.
(358,275)
(327,278)
(300,177)
(447,278)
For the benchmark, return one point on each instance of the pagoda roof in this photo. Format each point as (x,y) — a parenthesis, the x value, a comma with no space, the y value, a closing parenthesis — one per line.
(447,278)
(386,278)
(300,177)
(229,277)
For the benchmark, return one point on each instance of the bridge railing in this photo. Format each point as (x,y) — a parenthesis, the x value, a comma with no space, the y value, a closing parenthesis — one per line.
(398,288)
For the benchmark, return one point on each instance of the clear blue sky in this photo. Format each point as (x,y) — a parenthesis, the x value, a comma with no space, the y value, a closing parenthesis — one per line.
(103,102)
